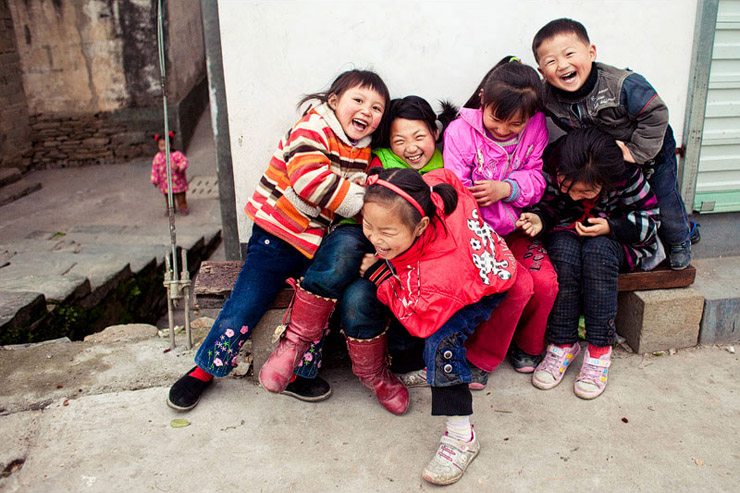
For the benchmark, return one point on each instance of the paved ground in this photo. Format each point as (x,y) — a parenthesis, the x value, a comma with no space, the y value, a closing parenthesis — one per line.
(91,416)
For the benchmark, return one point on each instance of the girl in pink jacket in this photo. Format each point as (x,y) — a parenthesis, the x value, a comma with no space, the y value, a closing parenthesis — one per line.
(495,147)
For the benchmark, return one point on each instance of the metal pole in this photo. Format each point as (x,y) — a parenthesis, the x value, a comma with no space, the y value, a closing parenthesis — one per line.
(163,82)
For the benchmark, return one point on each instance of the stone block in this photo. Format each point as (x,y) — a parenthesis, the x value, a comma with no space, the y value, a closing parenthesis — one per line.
(718,280)
(262,337)
(660,319)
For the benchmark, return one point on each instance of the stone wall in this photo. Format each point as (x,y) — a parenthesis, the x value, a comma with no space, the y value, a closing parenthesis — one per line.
(92,79)
(15,133)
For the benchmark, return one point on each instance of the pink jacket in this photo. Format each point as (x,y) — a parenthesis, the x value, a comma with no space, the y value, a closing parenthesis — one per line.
(473,156)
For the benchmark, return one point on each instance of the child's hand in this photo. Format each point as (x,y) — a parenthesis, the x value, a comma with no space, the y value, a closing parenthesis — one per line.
(625,152)
(487,192)
(358,180)
(367,261)
(530,223)
(598,226)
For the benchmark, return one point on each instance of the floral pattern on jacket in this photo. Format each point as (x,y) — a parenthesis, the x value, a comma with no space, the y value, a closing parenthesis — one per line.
(179,164)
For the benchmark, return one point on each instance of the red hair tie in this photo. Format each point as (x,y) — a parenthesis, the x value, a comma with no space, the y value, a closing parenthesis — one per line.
(375,180)
(156,136)
(172,134)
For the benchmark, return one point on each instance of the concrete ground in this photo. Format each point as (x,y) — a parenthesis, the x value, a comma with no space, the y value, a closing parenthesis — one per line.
(91,416)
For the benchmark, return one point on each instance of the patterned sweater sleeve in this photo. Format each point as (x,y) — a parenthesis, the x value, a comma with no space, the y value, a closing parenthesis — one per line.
(308,159)
(641,217)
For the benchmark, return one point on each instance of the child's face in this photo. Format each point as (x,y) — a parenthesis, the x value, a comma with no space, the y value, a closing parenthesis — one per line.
(578,191)
(565,61)
(412,141)
(161,144)
(383,226)
(503,129)
(359,111)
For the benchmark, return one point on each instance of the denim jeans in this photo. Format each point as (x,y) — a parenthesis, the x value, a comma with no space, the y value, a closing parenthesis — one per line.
(674,221)
(444,351)
(268,263)
(335,267)
(588,270)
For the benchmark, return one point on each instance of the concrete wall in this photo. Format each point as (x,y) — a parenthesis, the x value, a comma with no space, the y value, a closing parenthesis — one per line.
(92,78)
(185,49)
(15,132)
(273,52)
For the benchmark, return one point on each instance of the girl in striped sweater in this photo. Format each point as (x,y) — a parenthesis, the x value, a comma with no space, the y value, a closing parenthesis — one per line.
(315,177)
(601,217)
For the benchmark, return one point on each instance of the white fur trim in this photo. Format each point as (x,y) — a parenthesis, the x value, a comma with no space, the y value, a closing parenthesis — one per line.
(301,205)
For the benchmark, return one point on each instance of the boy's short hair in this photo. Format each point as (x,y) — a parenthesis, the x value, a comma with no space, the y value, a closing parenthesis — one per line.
(556,27)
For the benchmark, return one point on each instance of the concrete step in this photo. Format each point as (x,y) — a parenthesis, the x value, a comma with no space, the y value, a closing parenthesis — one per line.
(82,269)
(18,189)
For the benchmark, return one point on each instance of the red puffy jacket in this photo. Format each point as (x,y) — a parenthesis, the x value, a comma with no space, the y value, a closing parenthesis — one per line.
(448,267)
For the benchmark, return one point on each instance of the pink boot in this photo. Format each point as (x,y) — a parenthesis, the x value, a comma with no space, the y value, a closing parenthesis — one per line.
(309,316)
(370,363)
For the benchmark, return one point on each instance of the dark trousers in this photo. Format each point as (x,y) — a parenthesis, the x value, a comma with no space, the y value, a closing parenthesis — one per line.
(588,270)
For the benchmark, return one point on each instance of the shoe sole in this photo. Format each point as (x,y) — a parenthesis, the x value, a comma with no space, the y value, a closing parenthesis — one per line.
(453,481)
(525,369)
(476,386)
(587,396)
(174,406)
(304,398)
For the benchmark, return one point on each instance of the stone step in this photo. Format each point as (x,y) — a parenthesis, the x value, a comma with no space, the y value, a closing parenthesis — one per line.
(18,189)
(718,279)
(82,268)
(9,175)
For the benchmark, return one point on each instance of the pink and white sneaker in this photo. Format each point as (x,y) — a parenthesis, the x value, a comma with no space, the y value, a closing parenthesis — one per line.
(550,372)
(591,382)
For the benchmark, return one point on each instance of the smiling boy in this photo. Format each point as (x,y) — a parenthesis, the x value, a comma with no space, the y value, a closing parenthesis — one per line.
(579,92)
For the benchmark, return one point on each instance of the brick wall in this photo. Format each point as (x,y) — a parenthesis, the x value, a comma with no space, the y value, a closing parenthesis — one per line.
(15,135)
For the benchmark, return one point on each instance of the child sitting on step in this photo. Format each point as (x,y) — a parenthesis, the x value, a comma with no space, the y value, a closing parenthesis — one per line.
(309,183)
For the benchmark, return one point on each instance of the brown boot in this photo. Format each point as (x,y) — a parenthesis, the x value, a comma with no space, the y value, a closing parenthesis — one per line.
(370,363)
(309,316)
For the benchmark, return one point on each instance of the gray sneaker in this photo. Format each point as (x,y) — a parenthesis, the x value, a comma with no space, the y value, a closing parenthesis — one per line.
(680,256)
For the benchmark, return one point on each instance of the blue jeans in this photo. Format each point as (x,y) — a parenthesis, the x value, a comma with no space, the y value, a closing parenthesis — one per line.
(674,221)
(335,267)
(444,351)
(588,270)
(268,263)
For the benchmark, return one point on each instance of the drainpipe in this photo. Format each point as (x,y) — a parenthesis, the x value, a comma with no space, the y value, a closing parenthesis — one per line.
(220,124)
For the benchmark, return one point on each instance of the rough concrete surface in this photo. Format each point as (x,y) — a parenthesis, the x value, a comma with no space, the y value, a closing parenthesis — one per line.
(92,417)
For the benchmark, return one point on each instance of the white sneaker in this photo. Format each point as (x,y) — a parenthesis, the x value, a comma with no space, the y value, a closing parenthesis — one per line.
(452,458)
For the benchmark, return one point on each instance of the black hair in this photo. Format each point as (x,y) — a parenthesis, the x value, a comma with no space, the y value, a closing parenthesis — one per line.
(348,80)
(159,137)
(585,155)
(411,182)
(555,28)
(415,108)
(510,87)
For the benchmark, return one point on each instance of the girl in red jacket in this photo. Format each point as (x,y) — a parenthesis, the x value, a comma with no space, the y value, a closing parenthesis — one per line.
(440,269)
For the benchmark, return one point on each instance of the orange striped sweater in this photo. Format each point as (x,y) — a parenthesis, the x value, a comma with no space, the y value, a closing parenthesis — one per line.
(309,181)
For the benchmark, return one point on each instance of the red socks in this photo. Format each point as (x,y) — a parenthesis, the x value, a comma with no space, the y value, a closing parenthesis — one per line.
(200,374)
(597,352)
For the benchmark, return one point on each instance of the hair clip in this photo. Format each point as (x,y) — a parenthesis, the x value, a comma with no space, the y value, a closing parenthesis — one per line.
(156,136)
(172,134)
(514,59)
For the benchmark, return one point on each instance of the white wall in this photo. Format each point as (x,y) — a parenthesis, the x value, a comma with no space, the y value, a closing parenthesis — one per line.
(274,52)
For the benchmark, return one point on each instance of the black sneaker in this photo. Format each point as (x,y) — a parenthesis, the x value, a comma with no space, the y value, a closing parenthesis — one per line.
(185,393)
(680,256)
(523,362)
(308,389)
(694,234)
(478,377)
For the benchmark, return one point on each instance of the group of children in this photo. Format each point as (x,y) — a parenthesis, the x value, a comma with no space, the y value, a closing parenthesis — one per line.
(450,260)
